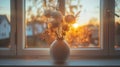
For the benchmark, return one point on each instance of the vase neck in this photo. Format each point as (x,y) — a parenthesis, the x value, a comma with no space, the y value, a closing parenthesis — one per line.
(61,38)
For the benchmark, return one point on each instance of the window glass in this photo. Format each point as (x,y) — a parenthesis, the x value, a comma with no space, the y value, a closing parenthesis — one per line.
(35,22)
(85,31)
(5,27)
(117,23)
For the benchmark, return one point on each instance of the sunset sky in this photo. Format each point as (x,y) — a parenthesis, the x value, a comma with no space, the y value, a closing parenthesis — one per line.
(89,9)
(5,8)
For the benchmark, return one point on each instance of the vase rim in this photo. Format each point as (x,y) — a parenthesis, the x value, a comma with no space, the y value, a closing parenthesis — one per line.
(60,38)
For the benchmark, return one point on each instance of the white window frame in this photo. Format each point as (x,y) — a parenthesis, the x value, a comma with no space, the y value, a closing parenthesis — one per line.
(103,51)
(21,35)
(12,50)
(113,51)
(107,26)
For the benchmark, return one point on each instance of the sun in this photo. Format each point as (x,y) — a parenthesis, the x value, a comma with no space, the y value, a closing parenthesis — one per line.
(75,25)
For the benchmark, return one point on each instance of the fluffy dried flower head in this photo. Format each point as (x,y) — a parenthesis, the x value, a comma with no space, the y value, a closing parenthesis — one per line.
(54,23)
(57,22)
(57,15)
(47,12)
(70,19)
(65,27)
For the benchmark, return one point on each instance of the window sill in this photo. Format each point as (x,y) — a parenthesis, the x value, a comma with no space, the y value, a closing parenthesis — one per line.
(45,62)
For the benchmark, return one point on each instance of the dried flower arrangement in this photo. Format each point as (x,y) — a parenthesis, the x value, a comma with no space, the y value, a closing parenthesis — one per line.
(58,23)
(54,24)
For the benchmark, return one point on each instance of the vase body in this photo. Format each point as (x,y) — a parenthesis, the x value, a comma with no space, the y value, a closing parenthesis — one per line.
(59,51)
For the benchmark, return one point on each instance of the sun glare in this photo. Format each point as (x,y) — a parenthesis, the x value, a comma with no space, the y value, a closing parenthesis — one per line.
(75,25)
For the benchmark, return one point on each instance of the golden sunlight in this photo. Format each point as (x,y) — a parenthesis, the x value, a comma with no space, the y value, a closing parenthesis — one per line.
(82,30)
(75,25)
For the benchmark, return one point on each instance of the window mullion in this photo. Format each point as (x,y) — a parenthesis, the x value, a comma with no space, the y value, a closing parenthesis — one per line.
(114,51)
(105,29)
(13,23)
(12,49)
(111,20)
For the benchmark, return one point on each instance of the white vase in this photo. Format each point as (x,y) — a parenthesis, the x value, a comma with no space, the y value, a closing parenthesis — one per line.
(59,51)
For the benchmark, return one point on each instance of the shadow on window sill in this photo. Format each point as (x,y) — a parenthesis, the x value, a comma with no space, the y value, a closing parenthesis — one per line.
(44,61)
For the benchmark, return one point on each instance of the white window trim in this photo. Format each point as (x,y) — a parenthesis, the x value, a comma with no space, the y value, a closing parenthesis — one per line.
(113,51)
(108,39)
(82,51)
(12,49)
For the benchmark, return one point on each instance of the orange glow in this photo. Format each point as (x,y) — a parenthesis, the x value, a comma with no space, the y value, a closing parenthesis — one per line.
(79,34)
(75,25)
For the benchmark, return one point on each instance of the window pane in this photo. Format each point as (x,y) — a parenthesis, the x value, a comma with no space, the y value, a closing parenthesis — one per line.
(36,28)
(85,32)
(117,23)
(5,27)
